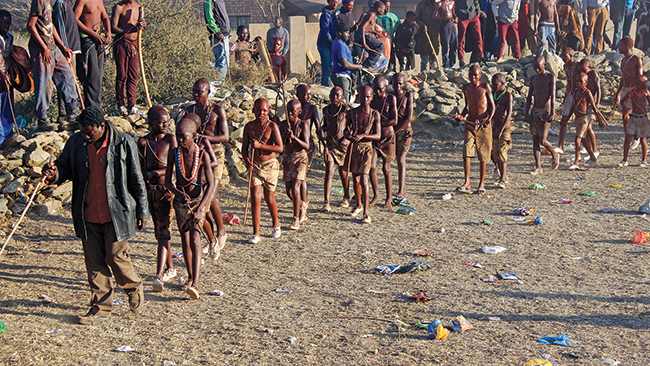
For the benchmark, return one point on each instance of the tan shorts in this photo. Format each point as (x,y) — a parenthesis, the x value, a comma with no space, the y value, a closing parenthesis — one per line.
(540,122)
(568,103)
(403,140)
(501,145)
(160,205)
(583,124)
(625,91)
(337,153)
(266,174)
(185,214)
(638,126)
(361,160)
(295,166)
(478,141)
(217,171)
(385,147)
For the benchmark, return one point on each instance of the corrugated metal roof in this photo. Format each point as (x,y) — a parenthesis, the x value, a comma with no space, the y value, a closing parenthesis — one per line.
(307,6)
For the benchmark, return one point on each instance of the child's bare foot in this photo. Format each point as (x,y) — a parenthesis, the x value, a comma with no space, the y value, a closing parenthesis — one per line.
(222,240)
(643,164)
(357,210)
(374,201)
(623,163)
(186,285)
(500,184)
(206,248)
(214,249)
(169,274)
(401,194)
(295,225)
(536,171)
(345,203)
(276,232)
(366,219)
(303,211)
(556,162)
(574,167)
(254,239)
(466,188)
(590,162)
(158,285)
(481,190)
(326,208)
(193,292)
(388,203)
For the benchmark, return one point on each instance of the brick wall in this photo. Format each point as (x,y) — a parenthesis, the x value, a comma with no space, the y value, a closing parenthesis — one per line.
(244,8)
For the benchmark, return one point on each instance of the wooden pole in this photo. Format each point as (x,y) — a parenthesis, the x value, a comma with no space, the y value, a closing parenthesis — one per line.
(29,203)
(266,58)
(144,78)
(250,179)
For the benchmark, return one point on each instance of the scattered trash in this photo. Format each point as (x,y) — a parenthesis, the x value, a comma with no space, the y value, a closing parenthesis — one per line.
(645,217)
(640,237)
(446,197)
(561,340)
(577,355)
(486,222)
(378,352)
(231,219)
(460,324)
(377,292)
(401,201)
(590,193)
(494,318)
(118,302)
(538,187)
(473,264)
(436,330)
(645,208)
(523,211)
(421,326)
(616,186)
(337,190)
(420,296)
(123,349)
(418,265)
(44,298)
(180,280)
(406,210)
(53,331)
(493,249)
(537,222)
(508,276)
(2,327)
(282,291)
(518,218)
(519,282)
(291,340)
(553,132)
(387,268)
(400,324)
(609,209)
(422,252)
(441,230)
(539,362)
(366,335)
(570,257)
(581,178)
(177,255)
(488,278)
(565,201)
(216,293)
(609,361)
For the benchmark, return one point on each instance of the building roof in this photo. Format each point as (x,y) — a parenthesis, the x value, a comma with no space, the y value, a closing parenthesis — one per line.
(304,6)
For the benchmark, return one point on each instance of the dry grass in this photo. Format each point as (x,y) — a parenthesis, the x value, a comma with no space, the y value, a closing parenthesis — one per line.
(602,300)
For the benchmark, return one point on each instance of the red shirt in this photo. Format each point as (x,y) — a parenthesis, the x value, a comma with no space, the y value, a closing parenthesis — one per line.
(96,208)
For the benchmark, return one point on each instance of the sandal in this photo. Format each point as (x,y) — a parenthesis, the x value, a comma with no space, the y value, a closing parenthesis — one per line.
(194,293)
(481,190)
(463,189)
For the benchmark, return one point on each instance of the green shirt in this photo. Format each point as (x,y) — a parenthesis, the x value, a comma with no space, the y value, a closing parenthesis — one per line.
(389,22)
(213,28)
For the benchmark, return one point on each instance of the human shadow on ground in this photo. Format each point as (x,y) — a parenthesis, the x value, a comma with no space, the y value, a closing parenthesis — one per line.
(37,308)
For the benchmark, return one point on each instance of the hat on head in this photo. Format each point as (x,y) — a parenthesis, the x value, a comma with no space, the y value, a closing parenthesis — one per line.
(342,27)
(346,1)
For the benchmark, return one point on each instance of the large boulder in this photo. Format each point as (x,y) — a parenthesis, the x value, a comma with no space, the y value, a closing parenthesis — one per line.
(13,186)
(120,123)
(36,158)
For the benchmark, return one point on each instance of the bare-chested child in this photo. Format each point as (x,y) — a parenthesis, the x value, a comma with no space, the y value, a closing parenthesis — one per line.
(309,114)
(127,19)
(548,25)
(154,149)
(363,127)
(403,129)
(278,61)
(213,128)
(262,141)
(593,84)
(386,105)
(638,127)
(188,163)
(479,109)
(542,89)
(336,146)
(584,105)
(571,71)
(501,129)
(631,69)
(295,138)
(446,15)
(366,34)
(91,16)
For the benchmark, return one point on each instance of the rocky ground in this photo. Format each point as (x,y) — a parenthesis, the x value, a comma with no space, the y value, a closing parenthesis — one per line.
(581,274)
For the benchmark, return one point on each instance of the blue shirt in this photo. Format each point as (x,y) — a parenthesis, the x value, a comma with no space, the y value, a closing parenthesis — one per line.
(629,4)
(340,50)
(327,25)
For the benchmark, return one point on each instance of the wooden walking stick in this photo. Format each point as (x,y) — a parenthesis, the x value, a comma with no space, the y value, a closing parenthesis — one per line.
(29,203)
(250,179)
(76,85)
(144,78)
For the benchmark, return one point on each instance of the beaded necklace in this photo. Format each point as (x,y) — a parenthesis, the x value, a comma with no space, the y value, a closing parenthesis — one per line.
(337,113)
(640,106)
(195,166)
(207,116)
(496,99)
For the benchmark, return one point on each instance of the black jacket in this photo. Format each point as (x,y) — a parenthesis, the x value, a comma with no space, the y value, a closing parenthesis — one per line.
(467,9)
(127,193)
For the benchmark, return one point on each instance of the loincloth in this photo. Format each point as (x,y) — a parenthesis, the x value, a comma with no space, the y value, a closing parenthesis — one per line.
(295,166)
(568,104)
(266,174)
(403,140)
(217,171)
(361,159)
(185,214)
(625,91)
(583,124)
(385,147)
(478,141)
(160,205)
(638,126)
(540,122)
(338,151)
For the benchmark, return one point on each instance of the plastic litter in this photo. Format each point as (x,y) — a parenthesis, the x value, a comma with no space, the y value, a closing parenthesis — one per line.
(387,268)
(421,326)
(366,335)
(508,276)
(437,331)
(570,257)
(460,324)
(538,187)
(337,190)
(420,296)
(53,331)
(539,362)
(216,293)
(123,349)
(590,193)
(609,361)
(473,264)
(441,230)
(283,291)
(493,249)
(537,222)
(609,209)
(446,197)
(565,201)
(523,211)
(44,298)
(553,132)
(488,278)
(616,186)
(581,178)
(118,302)
(640,237)
(422,253)
(645,208)
(3,327)
(231,219)
(561,340)
(177,255)
(519,218)
(577,355)
(378,352)
(486,222)
(494,318)
(405,210)
(401,201)
(291,340)
(417,265)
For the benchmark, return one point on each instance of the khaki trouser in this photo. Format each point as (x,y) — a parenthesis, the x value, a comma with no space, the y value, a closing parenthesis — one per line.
(103,254)
(596,29)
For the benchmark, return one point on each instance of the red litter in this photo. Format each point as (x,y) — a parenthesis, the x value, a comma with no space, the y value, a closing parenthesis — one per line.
(640,237)
(231,219)
(473,264)
(420,296)
(488,278)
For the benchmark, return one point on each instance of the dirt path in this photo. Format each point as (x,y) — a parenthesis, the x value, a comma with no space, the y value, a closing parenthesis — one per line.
(602,300)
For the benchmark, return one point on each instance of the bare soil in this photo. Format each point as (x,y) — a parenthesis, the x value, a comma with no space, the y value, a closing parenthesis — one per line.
(602,300)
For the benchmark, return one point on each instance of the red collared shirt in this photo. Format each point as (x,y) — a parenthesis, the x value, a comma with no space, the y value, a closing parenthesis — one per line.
(96,208)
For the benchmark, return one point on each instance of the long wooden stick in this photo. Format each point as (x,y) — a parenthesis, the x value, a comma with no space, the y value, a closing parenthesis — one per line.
(144,77)
(612,114)
(250,179)
(76,85)
(31,199)
(13,115)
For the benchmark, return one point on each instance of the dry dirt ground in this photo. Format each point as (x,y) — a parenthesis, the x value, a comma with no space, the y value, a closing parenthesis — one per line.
(602,300)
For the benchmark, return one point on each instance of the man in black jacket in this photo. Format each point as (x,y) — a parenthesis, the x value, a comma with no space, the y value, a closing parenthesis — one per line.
(468,18)
(108,195)
(218,23)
